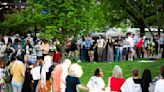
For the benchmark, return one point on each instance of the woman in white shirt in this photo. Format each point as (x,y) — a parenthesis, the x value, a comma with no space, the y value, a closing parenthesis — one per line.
(96,83)
(39,48)
(160,84)
(35,72)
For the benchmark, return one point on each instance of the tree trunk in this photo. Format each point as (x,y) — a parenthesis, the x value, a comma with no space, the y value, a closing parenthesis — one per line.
(63,47)
(142,29)
(63,52)
(159,31)
(35,29)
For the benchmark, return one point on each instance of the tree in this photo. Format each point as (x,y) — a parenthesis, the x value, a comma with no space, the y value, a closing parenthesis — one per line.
(142,13)
(71,17)
(25,19)
(60,18)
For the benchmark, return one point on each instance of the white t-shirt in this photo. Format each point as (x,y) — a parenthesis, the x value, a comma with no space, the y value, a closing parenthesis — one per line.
(100,43)
(48,62)
(38,50)
(2,49)
(130,41)
(35,72)
(96,84)
(1,73)
(159,86)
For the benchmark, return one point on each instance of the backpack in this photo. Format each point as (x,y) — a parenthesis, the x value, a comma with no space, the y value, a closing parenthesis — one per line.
(7,76)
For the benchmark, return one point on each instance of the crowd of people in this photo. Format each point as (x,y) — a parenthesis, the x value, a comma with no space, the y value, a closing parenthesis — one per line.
(65,77)
(85,48)
(30,64)
(121,48)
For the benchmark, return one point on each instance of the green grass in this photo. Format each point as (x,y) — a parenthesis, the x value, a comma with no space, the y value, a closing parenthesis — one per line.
(126,66)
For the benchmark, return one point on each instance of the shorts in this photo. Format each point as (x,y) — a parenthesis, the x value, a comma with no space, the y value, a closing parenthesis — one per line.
(125,51)
(91,52)
(131,49)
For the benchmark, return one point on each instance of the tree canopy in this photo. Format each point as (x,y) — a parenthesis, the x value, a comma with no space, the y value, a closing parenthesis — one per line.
(63,18)
(142,13)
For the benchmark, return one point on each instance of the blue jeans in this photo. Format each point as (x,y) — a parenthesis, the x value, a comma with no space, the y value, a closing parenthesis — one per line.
(17,86)
(118,55)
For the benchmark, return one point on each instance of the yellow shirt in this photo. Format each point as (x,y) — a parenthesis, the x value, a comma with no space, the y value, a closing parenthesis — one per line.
(16,70)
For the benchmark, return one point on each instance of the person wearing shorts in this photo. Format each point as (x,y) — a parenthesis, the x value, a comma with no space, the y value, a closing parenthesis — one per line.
(130,42)
(91,51)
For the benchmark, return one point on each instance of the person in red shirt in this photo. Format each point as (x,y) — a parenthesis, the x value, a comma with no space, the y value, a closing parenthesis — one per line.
(57,57)
(115,82)
(139,45)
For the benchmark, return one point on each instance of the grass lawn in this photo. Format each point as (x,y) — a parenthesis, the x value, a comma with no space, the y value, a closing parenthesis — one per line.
(126,66)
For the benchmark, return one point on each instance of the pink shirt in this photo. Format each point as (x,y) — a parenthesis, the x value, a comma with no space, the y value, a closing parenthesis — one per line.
(56,74)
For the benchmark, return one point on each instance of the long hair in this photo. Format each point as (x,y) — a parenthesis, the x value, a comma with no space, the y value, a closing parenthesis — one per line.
(117,71)
(97,72)
(146,79)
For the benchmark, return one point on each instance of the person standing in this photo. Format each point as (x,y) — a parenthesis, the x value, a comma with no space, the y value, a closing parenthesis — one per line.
(2,49)
(2,70)
(156,41)
(18,74)
(35,72)
(92,50)
(45,48)
(109,48)
(28,50)
(87,43)
(118,49)
(44,85)
(9,51)
(39,48)
(130,42)
(100,48)
(59,75)
(139,45)
(161,43)
(73,49)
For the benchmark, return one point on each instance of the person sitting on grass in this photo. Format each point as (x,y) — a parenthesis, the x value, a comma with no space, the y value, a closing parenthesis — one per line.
(146,83)
(96,83)
(160,75)
(72,80)
(159,84)
(115,82)
(132,84)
